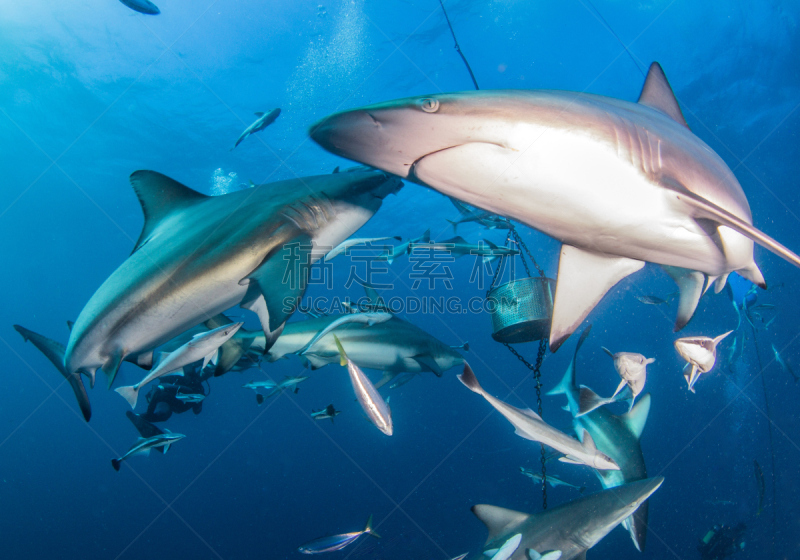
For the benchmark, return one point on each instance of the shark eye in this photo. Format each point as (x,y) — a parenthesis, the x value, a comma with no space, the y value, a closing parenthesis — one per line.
(429,105)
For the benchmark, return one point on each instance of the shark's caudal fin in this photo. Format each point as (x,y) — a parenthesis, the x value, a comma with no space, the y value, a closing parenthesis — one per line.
(129,393)
(54,352)
(568,383)
(588,400)
(499,521)
(583,279)
(469,380)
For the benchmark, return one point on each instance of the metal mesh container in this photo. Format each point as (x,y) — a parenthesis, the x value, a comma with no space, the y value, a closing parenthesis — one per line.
(521,310)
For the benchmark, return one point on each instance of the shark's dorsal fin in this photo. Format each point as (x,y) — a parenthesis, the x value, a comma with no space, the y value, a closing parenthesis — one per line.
(636,418)
(657,94)
(160,196)
(498,520)
(583,279)
(70,324)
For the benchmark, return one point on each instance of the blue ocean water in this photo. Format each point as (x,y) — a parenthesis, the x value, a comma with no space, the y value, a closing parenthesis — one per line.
(92,91)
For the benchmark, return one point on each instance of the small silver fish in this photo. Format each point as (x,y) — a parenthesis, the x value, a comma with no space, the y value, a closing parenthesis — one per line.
(336,542)
(784,365)
(374,406)
(551,480)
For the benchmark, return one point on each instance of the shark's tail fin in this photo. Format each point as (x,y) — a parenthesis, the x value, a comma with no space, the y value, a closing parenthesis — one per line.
(588,400)
(368,529)
(130,393)
(455,225)
(568,382)
(116,463)
(469,380)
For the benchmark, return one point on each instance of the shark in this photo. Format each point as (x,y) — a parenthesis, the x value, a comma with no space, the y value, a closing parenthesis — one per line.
(199,255)
(458,247)
(616,436)
(618,183)
(262,121)
(394,346)
(571,528)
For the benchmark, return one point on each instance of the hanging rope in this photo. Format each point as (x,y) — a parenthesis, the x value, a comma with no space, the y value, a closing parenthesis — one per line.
(769,428)
(535,368)
(458,48)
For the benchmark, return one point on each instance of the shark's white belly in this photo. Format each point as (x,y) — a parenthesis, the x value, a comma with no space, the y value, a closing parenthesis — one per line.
(582,192)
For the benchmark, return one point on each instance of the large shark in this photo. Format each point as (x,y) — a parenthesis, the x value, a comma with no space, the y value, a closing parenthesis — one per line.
(618,183)
(616,436)
(199,255)
(572,528)
(394,346)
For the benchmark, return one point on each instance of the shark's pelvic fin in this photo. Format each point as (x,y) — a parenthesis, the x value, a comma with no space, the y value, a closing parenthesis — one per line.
(498,520)
(690,283)
(657,94)
(636,418)
(583,279)
(160,196)
(427,361)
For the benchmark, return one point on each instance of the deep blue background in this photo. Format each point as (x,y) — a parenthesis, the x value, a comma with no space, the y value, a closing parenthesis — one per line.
(92,91)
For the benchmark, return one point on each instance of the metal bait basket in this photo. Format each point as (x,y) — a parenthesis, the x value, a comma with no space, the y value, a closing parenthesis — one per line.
(521,310)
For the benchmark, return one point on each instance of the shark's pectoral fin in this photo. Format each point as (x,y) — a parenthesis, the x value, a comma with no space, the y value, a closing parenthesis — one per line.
(706,209)
(111,367)
(583,279)
(690,283)
(274,289)
(498,521)
(160,196)
(636,418)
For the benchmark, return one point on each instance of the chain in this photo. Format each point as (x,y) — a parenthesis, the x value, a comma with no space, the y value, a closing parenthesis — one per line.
(536,369)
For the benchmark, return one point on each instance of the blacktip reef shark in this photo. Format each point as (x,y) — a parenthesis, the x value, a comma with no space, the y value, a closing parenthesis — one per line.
(262,122)
(530,425)
(618,183)
(616,436)
(571,528)
(394,346)
(200,255)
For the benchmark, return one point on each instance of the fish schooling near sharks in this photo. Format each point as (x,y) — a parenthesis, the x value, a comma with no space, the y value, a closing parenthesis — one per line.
(199,255)
(618,183)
